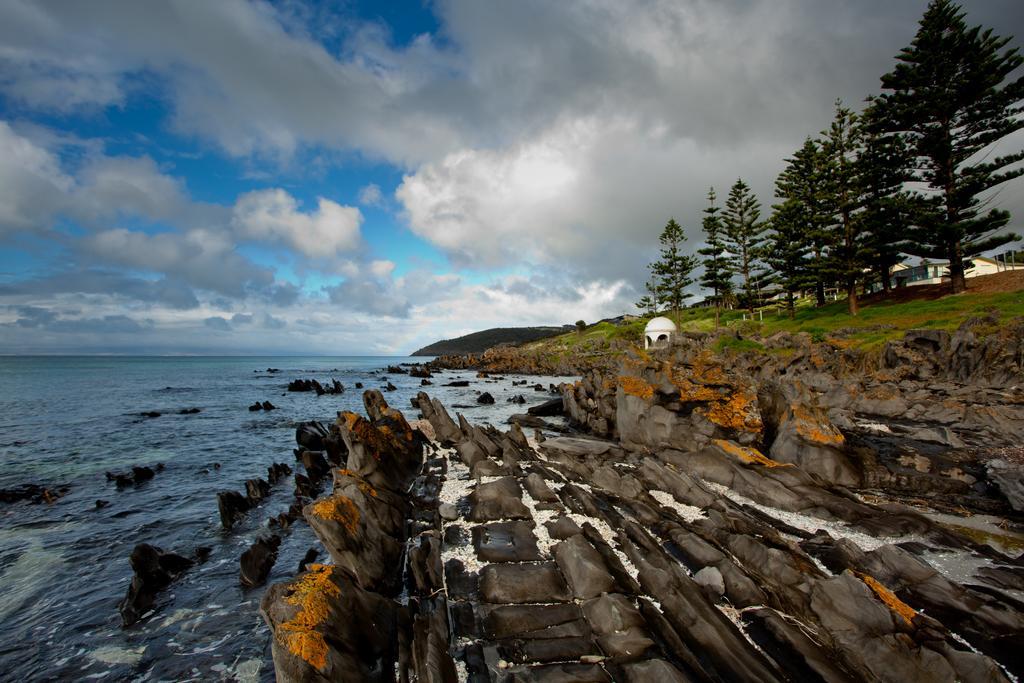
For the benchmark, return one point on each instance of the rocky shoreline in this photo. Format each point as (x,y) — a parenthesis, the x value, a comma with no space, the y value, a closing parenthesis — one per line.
(716,524)
(802,513)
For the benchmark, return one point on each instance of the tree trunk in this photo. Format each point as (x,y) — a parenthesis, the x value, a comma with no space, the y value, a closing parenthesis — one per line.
(957,278)
(819,284)
(851,296)
(790,306)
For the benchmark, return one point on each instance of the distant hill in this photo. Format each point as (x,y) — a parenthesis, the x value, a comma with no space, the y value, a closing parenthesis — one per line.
(478,342)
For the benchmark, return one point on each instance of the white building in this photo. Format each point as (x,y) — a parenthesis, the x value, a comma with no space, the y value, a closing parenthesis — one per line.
(936,272)
(658,333)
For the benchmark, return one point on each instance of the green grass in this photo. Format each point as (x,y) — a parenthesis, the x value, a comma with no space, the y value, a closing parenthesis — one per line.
(730,343)
(876,324)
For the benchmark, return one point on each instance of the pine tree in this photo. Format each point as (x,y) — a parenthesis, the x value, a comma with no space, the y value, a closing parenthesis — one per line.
(649,302)
(804,181)
(672,270)
(717,277)
(884,170)
(944,95)
(850,254)
(788,250)
(744,238)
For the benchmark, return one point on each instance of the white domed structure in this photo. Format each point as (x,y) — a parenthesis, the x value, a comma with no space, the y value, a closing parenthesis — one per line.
(659,333)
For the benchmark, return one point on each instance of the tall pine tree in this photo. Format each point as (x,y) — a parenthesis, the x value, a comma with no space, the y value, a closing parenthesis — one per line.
(947,96)
(804,181)
(850,254)
(884,170)
(744,238)
(788,249)
(672,270)
(717,276)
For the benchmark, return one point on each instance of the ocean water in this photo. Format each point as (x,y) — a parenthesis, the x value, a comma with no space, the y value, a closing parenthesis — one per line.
(64,566)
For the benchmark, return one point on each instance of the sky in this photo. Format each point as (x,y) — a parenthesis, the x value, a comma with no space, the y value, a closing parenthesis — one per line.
(368,177)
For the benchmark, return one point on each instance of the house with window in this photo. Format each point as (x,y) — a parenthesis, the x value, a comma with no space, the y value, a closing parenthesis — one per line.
(935,272)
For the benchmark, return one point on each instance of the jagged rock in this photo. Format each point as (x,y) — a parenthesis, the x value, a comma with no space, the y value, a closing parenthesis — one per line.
(458,383)
(396,370)
(308,559)
(311,435)
(319,622)
(1010,481)
(256,490)
(710,579)
(188,411)
(316,465)
(363,530)
(551,408)
(485,399)
(267,405)
(154,570)
(36,493)
(277,472)
(539,490)
(258,560)
(445,429)
(384,450)
(138,475)
(804,436)
(232,506)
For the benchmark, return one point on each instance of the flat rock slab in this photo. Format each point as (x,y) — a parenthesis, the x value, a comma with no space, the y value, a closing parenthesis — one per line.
(545,650)
(501,499)
(506,542)
(523,583)
(531,621)
(559,673)
(583,567)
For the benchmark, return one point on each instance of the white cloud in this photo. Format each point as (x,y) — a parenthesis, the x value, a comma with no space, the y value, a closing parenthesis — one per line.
(370,195)
(204,258)
(32,184)
(274,215)
(589,195)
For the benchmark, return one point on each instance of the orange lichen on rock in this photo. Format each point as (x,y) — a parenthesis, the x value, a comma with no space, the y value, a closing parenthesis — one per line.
(738,412)
(815,430)
(905,611)
(338,509)
(377,438)
(312,593)
(634,386)
(747,454)
(363,485)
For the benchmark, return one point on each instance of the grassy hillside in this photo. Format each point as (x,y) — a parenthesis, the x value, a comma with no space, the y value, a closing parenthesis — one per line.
(881,318)
(478,342)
